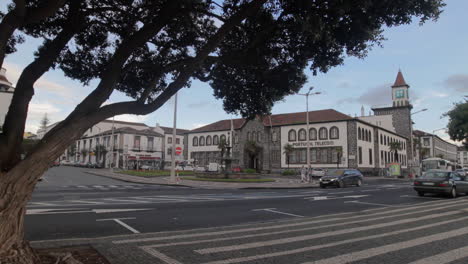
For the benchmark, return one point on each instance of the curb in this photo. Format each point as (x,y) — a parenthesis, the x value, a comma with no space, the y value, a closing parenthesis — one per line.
(140,182)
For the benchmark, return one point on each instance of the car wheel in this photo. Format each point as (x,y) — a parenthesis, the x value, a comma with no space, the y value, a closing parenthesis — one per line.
(358,183)
(420,193)
(453,192)
(341,184)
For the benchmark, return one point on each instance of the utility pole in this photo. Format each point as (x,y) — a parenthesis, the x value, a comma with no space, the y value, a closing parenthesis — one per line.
(173,178)
(112,146)
(307,121)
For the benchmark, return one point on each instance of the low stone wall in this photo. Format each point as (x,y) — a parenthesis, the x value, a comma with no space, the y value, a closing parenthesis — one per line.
(230,175)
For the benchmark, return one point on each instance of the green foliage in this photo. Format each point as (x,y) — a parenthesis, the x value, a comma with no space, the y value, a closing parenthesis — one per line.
(458,123)
(288,173)
(288,149)
(153,173)
(256,64)
(222,145)
(228,180)
(249,171)
(252,148)
(395,147)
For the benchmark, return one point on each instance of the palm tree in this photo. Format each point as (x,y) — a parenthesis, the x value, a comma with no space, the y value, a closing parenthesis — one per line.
(339,154)
(394,147)
(222,145)
(84,152)
(252,150)
(288,149)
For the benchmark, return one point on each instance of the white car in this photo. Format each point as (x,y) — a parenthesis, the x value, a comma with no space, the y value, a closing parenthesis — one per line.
(317,173)
(185,168)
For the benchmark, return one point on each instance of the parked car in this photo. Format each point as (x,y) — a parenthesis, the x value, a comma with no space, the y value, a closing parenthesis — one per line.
(441,181)
(462,172)
(185,168)
(56,163)
(91,165)
(341,178)
(317,173)
(65,162)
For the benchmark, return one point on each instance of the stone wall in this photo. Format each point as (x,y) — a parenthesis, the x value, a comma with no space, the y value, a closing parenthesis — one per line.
(352,144)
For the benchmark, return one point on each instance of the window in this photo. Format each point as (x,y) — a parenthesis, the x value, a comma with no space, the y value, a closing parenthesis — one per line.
(426,142)
(169,151)
(169,140)
(208,140)
(136,142)
(302,135)
(359,134)
(177,140)
(370,156)
(90,143)
(248,135)
(202,141)
(400,94)
(115,142)
(274,136)
(254,136)
(334,133)
(223,138)
(381,157)
(292,135)
(370,136)
(323,155)
(334,155)
(385,140)
(313,155)
(313,134)
(195,141)
(323,133)
(302,156)
(360,155)
(381,139)
(150,143)
(259,137)
(236,138)
(215,140)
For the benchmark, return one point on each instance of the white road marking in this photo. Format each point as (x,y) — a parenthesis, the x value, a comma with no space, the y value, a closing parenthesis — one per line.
(378,204)
(47,211)
(445,257)
(118,220)
(160,255)
(422,197)
(319,235)
(124,200)
(373,190)
(429,206)
(80,210)
(277,212)
(82,186)
(85,202)
(103,211)
(333,244)
(371,252)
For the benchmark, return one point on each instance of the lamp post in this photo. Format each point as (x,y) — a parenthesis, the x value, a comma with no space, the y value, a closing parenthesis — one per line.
(174,134)
(309,92)
(422,110)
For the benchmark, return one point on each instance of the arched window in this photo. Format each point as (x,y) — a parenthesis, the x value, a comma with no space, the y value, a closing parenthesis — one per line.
(248,135)
(215,140)
(385,140)
(195,141)
(292,135)
(274,136)
(370,136)
(367,135)
(381,139)
(323,133)
(202,141)
(359,136)
(259,137)
(313,134)
(223,138)
(302,135)
(208,140)
(254,136)
(334,133)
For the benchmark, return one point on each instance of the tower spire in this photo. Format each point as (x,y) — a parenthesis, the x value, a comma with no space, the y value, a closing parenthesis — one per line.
(400,81)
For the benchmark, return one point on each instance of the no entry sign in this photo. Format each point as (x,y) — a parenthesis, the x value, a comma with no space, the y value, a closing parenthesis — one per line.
(178,151)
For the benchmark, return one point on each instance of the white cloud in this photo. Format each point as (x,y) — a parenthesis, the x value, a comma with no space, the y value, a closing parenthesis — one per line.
(197,125)
(132,118)
(458,82)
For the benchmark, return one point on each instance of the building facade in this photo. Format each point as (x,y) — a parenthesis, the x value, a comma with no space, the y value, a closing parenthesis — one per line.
(6,94)
(462,157)
(335,140)
(432,146)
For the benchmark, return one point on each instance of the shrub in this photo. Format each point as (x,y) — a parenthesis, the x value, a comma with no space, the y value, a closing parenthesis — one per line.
(249,171)
(288,172)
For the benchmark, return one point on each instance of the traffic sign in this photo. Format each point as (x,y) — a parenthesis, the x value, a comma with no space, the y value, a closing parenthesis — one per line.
(178,151)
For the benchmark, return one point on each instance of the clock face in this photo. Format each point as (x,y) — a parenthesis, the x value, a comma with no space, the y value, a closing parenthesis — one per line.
(400,94)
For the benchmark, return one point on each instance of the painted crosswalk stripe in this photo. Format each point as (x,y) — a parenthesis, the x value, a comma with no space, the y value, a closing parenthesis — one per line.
(319,235)
(412,209)
(333,244)
(445,257)
(372,252)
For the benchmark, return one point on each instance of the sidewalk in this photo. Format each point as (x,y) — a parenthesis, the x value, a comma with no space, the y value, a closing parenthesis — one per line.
(280,182)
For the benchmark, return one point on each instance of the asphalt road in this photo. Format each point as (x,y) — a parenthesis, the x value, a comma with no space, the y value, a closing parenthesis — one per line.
(379,222)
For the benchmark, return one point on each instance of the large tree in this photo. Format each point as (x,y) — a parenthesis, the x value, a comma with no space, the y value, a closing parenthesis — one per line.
(251,52)
(458,123)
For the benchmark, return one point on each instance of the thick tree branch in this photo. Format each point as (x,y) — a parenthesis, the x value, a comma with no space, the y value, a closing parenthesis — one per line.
(13,127)
(19,16)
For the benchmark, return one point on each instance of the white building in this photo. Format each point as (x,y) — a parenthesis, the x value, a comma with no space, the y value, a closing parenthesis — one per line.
(462,157)
(432,146)
(6,94)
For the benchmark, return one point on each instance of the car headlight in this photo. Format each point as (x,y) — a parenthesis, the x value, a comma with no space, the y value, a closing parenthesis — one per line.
(332,179)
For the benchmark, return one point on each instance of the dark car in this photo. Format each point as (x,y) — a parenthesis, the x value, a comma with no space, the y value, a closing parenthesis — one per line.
(341,178)
(441,181)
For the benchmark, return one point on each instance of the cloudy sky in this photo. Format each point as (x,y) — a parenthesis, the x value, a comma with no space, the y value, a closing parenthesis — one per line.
(432,57)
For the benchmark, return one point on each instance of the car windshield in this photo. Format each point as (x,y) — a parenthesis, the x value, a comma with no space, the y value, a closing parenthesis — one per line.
(335,172)
(435,174)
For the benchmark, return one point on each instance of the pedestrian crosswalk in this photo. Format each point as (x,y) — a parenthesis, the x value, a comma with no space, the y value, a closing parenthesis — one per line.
(434,232)
(114,187)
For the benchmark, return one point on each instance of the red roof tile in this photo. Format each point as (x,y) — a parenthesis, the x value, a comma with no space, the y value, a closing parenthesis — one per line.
(279,120)
(400,81)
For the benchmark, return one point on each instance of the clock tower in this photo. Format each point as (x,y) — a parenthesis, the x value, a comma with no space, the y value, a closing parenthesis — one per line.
(400,96)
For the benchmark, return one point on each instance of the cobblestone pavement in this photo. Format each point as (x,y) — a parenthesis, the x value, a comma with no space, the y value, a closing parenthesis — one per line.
(429,232)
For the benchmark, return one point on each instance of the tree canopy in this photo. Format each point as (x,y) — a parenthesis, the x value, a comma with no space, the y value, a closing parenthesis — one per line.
(458,123)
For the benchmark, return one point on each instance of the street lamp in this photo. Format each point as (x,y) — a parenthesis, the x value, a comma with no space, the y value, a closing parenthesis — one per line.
(309,92)
(422,110)
(433,131)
